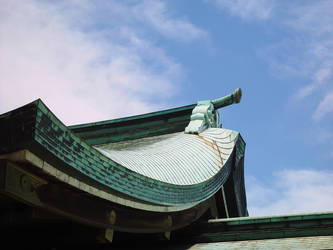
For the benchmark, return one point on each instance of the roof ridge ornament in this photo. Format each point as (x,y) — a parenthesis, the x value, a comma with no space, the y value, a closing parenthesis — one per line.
(205,114)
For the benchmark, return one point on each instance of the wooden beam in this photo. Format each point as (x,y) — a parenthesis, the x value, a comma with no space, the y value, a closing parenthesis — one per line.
(225,202)
(73,204)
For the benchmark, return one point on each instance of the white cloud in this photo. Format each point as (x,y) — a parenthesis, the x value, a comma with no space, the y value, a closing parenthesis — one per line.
(307,51)
(156,14)
(86,61)
(321,76)
(325,107)
(250,9)
(291,191)
(319,47)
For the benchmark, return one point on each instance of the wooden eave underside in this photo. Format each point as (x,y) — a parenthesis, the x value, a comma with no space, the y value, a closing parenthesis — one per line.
(44,168)
(43,187)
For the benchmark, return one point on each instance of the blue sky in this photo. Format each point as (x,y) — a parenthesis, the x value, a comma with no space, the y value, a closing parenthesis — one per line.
(98,60)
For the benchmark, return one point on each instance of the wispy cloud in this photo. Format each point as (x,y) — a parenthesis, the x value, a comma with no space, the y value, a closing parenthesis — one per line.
(87,61)
(308,49)
(250,9)
(314,20)
(291,191)
(324,107)
(304,51)
(156,14)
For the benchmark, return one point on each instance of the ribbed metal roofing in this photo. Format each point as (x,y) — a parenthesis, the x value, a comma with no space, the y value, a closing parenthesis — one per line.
(314,242)
(177,158)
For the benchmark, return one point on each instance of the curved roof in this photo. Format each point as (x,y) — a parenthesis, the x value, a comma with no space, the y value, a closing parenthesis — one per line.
(160,165)
(177,158)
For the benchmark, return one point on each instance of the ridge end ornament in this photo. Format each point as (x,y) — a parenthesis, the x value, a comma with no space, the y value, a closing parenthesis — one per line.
(205,115)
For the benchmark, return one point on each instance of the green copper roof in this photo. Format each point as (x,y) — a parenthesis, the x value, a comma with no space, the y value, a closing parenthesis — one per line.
(135,127)
(259,228)
(177,158)
(219,153)
(312,242)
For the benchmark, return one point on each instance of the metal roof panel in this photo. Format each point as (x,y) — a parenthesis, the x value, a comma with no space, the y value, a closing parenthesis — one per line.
(178,158)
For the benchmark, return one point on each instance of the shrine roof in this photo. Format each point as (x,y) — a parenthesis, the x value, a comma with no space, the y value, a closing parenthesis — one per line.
(135,127)
(176,158)
(193,173)
(291,231)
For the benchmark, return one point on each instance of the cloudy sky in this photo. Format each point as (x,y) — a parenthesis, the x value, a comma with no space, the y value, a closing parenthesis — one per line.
(96,60)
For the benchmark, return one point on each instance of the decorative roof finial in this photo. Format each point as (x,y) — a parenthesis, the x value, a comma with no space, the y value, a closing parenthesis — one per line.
(204,115)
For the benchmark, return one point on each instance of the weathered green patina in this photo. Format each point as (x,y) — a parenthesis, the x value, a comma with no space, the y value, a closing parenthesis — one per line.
(72,150)
(144,174)
(176,158)
(260,228)
(205,114)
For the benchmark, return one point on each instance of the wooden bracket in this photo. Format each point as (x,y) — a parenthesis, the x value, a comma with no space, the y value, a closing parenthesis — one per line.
(19,184)
(167,234)
(109,232)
